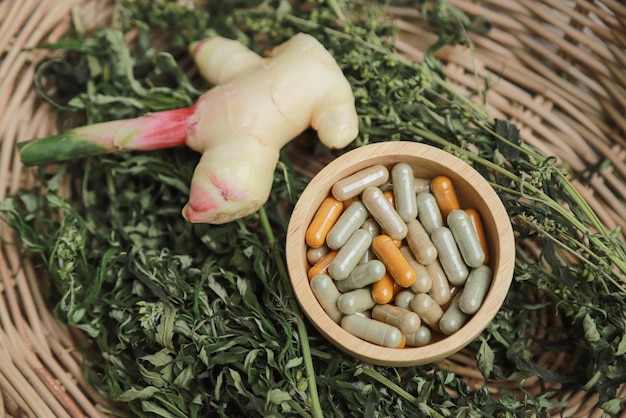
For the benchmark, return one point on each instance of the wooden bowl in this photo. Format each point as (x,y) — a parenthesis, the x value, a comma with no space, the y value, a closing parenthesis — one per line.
(472,190)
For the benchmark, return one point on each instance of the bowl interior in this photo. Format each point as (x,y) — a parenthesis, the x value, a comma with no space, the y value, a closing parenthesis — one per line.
(473,192)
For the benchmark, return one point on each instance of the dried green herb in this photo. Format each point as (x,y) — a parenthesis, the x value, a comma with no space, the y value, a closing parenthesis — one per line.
(186,320)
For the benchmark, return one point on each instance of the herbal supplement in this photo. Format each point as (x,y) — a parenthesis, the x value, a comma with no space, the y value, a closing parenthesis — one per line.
(373,331)
(419,338)
(449,256)
(440,288)
(356,183)
(428,310)
(404,298)
(405,320)
(384,213)
(396,264)
(428,212)
(362,275)
(371,226)
(349,255)
(421,185)
(453,318)
(478,226)
(326,293)
(322,265)
(383,290)
(442,188)
(475,290)
(404,191)
(466,238)
(349,221)
(422,282)
(324,219)
(313,255)
(357,300)
(420,243)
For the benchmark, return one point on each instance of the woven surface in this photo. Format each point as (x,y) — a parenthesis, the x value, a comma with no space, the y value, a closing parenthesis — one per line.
(556,69)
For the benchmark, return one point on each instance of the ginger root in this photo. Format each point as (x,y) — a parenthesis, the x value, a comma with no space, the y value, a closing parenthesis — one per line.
(257,105)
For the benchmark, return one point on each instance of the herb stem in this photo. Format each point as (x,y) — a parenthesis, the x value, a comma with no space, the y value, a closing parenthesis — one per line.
(316,408)
(372,373)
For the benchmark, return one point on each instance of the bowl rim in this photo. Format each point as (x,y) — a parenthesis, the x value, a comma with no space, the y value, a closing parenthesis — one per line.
(369,155)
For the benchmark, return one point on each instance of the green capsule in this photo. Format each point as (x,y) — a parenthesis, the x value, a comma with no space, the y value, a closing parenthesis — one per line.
(313,255)
(327,295)
(362,275)
(404,191)
(354,184)
(420,243)
(453,318)
(349,221)
(371,226)
(449,256)
(466,238)
(349,255)
(428,310)
(373,331)
(475,290)
(357,300)
(422,283)
(404,298)
(384,213)
(428,212)
(419,338)
(440,287)
(405,320)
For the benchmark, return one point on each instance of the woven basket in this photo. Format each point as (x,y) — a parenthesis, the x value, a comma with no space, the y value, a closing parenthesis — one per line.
(557,70)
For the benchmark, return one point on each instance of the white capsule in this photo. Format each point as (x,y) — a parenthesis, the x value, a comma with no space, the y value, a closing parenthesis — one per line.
(428,212)
(404,191)
(384,213)
(449,256)
(466,238)
(354,184)
(373,331)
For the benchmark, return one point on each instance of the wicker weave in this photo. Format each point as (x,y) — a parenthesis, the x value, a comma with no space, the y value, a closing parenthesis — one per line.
(557,69)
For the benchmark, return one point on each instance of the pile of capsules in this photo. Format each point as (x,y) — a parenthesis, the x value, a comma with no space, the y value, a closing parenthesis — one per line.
(394,259)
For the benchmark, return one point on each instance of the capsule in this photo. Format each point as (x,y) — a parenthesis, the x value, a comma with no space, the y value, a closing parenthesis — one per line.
(357,300)
(453,318)
(421,185)
(475,290)
(428,310)
(404,298)
(323,220)
(449,256)
(322,265)
(313,255)
(478,226)
(428,212)
(440,288)
(395,263)
(383,290)
(384,213)
(422,282)
(349,221)
(390,197)
(442,188)
(349,255)
(326,293)
(362,275)
(404,191)
(420,243)
(419,338)
(354,184)
(466,238)
(372,331)
(405,320)
(371,226)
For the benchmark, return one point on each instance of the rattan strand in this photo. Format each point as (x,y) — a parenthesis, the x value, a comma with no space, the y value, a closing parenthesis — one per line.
(557,69)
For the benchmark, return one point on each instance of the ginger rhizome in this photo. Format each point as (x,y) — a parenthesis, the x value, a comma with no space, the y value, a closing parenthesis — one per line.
(256,106)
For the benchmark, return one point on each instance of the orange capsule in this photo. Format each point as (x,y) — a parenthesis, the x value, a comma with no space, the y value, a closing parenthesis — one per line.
(478,226)
(323,221)
(442,188)
(322,265)
(382,290)
(397,265)
(391,198)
